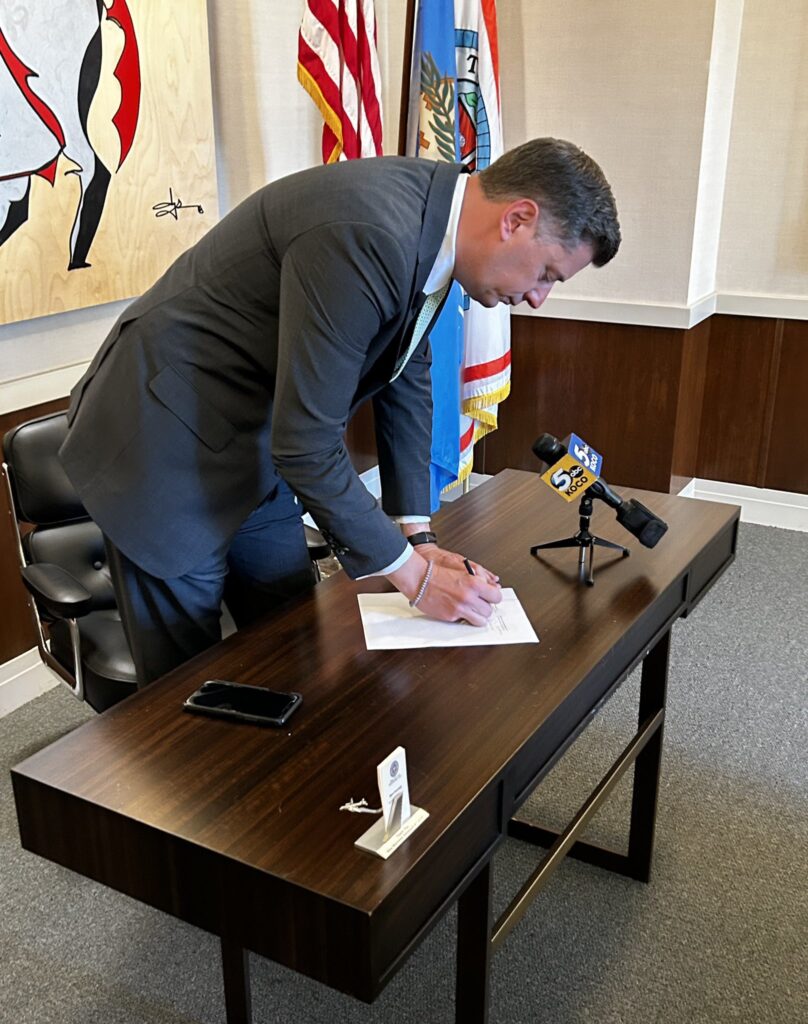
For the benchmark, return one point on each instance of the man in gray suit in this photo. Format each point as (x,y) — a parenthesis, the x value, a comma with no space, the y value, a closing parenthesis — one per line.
(218,403)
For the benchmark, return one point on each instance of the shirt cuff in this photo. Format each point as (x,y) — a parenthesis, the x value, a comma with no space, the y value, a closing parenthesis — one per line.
(411,519)
(405,555)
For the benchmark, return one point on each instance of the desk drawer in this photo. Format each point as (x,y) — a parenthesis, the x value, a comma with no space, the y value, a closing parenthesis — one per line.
(711,564)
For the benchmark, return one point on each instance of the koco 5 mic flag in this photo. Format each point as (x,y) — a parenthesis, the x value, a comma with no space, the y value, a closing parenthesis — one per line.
(571,475)
(576,471)
(585,454)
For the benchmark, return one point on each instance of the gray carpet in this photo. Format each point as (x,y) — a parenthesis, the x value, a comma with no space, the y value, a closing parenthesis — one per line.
(720,934)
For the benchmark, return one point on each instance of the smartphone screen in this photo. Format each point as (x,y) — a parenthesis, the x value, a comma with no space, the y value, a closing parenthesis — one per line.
(248,703)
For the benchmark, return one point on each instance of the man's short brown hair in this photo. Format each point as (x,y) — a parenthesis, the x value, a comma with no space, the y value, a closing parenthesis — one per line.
(572,191)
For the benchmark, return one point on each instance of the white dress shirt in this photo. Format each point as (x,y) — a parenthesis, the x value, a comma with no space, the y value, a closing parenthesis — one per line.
(439,275)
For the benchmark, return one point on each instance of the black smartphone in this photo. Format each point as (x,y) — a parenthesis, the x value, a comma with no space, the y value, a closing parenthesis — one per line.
(244,703)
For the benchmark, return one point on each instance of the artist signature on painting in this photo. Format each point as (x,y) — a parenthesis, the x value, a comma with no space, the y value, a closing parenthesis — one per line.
(173,206)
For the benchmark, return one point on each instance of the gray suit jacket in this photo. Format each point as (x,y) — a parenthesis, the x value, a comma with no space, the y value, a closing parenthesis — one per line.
(246,359)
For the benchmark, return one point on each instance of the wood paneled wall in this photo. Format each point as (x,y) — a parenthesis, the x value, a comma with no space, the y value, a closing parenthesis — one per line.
(17,630)
(755,415)
(360,439)
(725,400)
(615,386)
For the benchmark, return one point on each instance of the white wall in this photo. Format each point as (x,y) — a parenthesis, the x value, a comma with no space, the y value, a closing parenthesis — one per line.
(764,232)
(715,148)
(266,125)
(647,87)
(626,80)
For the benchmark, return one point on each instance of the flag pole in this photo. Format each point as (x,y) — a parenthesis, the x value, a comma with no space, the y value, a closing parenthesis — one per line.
(409,30)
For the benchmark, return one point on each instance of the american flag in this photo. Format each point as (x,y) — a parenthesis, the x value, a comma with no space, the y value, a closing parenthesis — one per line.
(338,66)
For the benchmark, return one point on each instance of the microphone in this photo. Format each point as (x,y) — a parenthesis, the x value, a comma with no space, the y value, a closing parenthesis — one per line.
(632,514)
(548,449)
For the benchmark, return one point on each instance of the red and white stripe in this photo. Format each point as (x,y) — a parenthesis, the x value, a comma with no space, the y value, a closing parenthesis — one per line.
(486,376)
(338,66)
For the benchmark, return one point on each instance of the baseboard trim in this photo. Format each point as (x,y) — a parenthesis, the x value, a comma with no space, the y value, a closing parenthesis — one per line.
(685,316)
(22,679)
(777,307)
(785,510)
(638,314)
(689,489)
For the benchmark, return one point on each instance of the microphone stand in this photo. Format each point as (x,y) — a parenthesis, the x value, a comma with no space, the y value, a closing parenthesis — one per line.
(584,541)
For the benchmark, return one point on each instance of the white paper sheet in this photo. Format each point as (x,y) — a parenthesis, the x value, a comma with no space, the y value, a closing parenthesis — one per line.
(390,624)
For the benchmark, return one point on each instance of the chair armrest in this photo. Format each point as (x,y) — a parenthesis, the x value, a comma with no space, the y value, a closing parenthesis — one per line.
(317,544)
(55,590)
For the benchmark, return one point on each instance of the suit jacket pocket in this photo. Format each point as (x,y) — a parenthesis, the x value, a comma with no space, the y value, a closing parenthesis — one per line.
(185,402)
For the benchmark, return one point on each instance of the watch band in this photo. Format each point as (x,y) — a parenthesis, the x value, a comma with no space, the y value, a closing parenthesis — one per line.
(426,537)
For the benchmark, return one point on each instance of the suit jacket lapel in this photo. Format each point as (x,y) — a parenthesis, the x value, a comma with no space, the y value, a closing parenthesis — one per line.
(436,217)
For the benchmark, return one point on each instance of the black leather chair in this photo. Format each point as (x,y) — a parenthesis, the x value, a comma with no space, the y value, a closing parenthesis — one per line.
(64,567)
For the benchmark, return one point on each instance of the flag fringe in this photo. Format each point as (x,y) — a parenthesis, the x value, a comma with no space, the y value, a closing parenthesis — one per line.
(330,116)
(474,405)
(480,430)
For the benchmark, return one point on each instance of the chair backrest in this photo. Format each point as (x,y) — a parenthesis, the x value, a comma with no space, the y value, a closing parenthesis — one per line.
(44,497)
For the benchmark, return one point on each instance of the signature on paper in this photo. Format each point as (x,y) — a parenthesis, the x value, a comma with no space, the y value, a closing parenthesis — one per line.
(173,206)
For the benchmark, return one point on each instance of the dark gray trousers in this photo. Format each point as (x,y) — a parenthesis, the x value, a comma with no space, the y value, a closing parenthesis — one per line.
(168,621)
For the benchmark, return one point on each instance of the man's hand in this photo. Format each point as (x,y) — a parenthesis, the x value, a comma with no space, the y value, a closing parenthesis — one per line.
(449,559)
(452,560)
(452,594)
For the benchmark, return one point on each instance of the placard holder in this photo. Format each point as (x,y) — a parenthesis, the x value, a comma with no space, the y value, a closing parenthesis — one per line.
(383,842)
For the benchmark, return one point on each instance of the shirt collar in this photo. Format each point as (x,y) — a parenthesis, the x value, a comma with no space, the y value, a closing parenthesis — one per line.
(441,271)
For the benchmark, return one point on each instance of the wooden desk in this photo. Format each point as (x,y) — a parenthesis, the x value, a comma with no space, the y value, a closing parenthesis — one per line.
(237,828)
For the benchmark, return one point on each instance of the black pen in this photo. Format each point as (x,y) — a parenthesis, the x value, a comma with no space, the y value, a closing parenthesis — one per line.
(469,569)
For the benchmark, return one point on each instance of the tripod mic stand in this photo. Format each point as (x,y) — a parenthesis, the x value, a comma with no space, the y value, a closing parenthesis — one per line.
(584,541)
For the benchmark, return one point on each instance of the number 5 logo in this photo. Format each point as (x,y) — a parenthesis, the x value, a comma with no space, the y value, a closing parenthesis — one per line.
(582,455)
(561,479)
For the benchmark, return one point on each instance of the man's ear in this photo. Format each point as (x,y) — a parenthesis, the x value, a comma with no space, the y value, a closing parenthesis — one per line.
(519,214)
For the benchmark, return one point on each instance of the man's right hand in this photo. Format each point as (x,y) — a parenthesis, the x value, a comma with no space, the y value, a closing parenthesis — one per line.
(451,595)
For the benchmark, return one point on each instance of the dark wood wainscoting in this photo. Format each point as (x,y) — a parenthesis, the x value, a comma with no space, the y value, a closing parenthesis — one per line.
(755,415)
(17,630)
(616,386)
(725,400)
(786,466)
(360,439)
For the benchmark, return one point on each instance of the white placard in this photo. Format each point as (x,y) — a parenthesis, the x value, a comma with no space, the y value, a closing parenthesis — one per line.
(394,790)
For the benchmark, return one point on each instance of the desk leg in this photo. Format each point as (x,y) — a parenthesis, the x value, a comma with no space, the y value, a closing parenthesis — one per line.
(236,973)
(474,950)
(653,688)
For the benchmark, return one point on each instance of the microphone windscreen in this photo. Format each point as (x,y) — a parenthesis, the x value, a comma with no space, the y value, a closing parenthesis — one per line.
(548,449)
